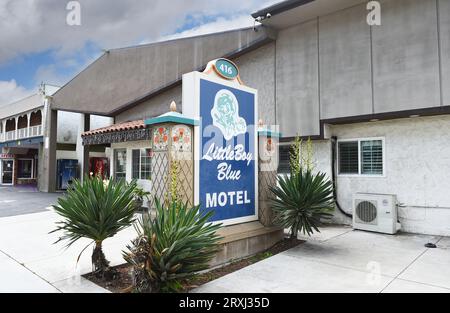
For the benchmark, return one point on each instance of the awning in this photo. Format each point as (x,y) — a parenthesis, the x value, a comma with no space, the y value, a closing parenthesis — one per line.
(26,142)
(123,132)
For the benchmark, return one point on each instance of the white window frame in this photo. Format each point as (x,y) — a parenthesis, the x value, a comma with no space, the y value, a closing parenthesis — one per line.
(383,143)
(114,162)
(32,168)
(140,163)
(129,147)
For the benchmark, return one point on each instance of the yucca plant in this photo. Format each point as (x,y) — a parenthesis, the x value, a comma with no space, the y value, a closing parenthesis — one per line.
(97,210)
(176,243)
(300,201)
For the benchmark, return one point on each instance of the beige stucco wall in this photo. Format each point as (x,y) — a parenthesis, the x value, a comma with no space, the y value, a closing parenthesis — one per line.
(417,157)
(156,106)
(336,65)
(257,69)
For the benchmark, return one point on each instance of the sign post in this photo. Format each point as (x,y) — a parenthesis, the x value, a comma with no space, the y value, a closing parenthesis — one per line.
(225,142)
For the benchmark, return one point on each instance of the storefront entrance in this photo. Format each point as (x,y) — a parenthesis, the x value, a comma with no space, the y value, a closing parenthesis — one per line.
(7,171)
(18,166)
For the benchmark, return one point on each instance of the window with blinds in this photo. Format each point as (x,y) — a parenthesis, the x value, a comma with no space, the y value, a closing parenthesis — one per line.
(372,157)
(284,166)
(348,157)
(361,157)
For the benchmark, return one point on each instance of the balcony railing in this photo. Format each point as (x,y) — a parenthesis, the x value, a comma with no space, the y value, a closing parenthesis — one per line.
(33,131)
(11,135)
(22,133)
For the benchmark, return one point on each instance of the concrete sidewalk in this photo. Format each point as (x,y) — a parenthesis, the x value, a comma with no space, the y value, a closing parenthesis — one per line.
(21,200)
(30,262)
(342,260)
(336,260)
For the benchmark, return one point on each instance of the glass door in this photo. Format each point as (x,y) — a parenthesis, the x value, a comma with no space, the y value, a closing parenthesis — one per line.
(7,169)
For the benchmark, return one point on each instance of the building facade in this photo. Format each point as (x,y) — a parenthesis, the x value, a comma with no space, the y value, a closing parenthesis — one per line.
(375,99)
(24,135)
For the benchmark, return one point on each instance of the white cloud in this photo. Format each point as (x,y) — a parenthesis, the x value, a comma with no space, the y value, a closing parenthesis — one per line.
(30,26)
(49,74)
(219,25)
(11,92)
(58,74)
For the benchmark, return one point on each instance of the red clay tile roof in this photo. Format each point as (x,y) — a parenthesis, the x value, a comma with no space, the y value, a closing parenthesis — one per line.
(116,128)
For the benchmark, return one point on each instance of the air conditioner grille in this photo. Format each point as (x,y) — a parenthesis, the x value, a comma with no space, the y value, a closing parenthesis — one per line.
(366,211)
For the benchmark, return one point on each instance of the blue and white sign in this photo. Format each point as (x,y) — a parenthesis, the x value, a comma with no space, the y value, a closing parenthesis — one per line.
(226,146)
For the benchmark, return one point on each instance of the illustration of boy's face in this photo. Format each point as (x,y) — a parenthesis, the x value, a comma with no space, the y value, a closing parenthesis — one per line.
(225,114)
(225,105)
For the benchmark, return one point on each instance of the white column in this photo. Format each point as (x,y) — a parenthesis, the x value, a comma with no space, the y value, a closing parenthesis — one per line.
(42,122)
(3,134)
(44,114)
(129,165)
(16,119)
(28,124)
(83,151)
(79,147)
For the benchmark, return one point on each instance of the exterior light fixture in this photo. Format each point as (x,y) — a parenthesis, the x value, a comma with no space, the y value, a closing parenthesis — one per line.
(259,19)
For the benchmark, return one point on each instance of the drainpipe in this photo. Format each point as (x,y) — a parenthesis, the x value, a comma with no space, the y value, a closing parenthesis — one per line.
(333,176)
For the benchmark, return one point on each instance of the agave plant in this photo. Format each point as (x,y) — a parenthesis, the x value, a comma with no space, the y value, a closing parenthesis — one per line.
(97,210)
(301,201)
(178,242)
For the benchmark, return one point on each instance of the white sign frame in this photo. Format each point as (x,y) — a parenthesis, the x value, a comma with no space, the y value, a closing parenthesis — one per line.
(191,109)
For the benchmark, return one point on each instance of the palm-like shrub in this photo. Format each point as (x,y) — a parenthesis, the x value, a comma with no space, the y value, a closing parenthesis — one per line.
(301,201)
(178,242)
(97,210)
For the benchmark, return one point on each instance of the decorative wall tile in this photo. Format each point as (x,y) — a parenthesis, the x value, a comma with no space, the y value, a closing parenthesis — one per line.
(181,138)
(160,138)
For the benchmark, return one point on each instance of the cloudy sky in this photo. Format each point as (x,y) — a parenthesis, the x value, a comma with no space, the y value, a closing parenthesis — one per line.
(37,45)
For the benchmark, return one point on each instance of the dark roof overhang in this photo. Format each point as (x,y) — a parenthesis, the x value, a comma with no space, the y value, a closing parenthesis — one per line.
(280,7)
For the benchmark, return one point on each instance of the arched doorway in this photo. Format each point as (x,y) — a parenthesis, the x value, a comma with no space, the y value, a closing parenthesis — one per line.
(10,129)
(22,127)
(36,124)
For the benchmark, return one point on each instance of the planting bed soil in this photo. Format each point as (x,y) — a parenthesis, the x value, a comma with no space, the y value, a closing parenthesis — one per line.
(122,282)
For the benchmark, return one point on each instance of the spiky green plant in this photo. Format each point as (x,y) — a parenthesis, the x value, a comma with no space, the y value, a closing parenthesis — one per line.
(97,210)
(301,155)
(307,155)
(178,242)
(300,201)
(295,157)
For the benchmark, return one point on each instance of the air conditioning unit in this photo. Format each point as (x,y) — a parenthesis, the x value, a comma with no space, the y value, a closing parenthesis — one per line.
(375,212)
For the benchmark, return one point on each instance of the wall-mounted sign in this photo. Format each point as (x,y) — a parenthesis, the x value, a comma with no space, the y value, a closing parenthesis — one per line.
(6,156)
(226,69)
(226,147)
